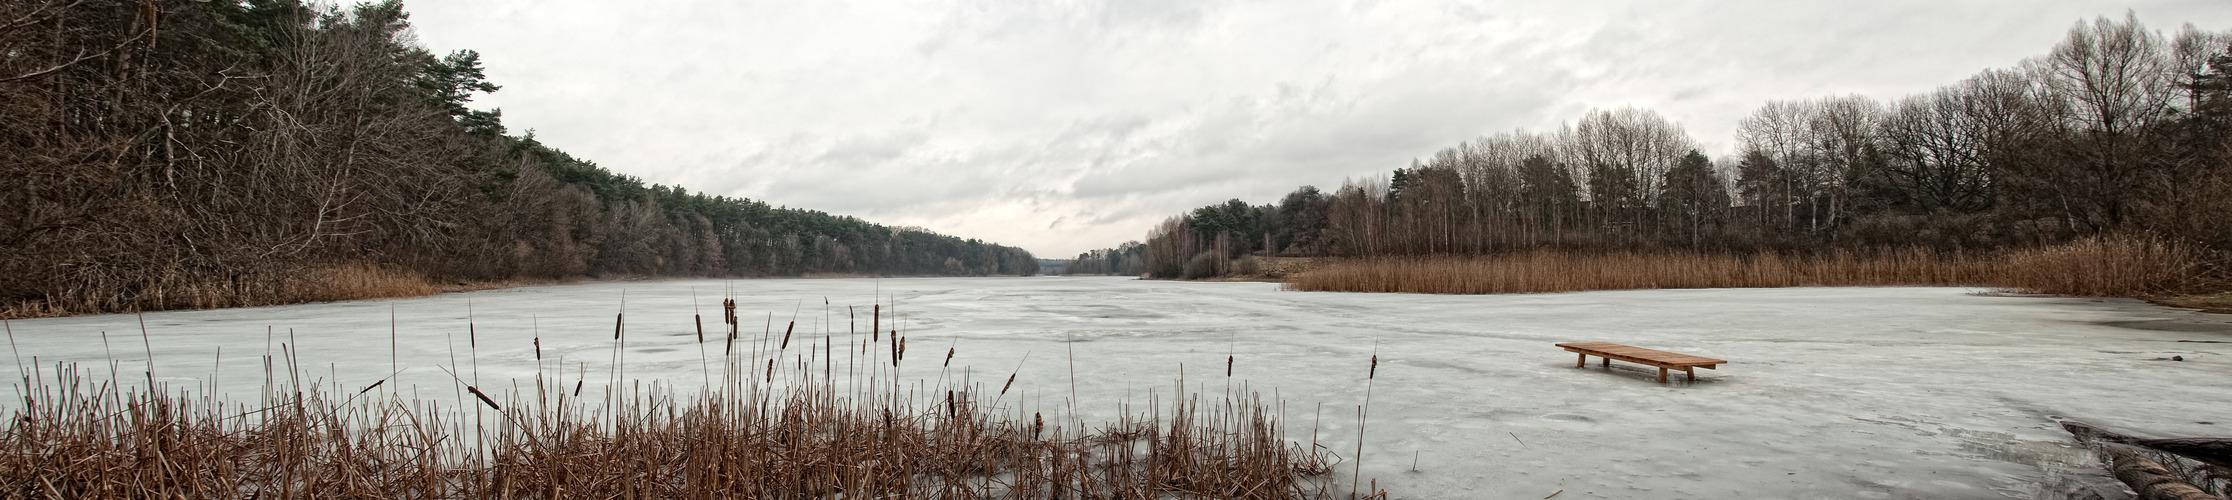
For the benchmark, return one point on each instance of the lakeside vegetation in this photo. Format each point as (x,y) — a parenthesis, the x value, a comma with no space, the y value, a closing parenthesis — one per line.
(2087,267)
(178,154)
(762,429)
(2116,142)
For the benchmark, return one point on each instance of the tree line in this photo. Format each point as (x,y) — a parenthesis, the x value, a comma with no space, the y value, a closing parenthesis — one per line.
(2119,128)
(1127,259)
(163,148)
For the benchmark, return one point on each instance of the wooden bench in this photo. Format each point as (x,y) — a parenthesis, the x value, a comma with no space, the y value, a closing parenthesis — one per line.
(1661,359)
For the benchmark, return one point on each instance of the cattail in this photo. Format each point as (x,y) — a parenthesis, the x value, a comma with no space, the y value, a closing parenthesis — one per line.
(538,348)
(770,370)
(1010,383)
(949,357)
(1228,366)
(700,326)
(787,334)
(616,325)
(1038,425)
(950,411)
(577,388)
(1375,367)
(483,397)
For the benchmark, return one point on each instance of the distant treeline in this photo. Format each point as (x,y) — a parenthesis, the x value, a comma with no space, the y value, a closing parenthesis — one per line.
(1128,259)
(177,153)
(2119,129)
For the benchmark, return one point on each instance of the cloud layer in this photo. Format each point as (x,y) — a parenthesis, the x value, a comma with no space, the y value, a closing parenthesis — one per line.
(1065,125)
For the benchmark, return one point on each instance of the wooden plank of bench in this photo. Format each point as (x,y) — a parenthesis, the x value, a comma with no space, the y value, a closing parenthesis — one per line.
(1661,359)
(1638,354)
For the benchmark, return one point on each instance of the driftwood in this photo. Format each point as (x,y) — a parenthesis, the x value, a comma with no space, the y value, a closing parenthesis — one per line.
(2147,477)
(2213,451)
(2210,450)
(2151,479)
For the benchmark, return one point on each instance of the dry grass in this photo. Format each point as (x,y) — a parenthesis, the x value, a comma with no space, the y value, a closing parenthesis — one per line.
(806,431)
(2100,267)
(2108,266)
(350,281)
(359,281)
(2220,303)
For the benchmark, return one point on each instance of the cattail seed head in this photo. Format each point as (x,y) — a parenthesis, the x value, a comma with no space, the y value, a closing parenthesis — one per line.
(949,357)
(538,348)
(483,398)
(1228,366)
(1374,373)
(1010,383)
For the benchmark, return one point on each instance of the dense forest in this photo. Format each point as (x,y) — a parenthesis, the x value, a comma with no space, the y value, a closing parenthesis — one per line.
(2118,130)
(177,153)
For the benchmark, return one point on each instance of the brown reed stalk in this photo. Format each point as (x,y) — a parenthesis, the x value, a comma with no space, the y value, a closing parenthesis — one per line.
(1363,413)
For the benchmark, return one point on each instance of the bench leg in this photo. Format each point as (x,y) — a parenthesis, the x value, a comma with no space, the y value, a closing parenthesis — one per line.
(1692,371)
(1584,362)
(1662,374)
(1607,362)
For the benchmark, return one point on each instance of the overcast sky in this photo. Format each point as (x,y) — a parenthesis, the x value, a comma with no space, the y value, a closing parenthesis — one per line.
(1066,125)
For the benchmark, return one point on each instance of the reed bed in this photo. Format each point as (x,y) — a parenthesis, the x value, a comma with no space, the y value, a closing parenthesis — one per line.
(2100,266)
(777,425)
(96,293)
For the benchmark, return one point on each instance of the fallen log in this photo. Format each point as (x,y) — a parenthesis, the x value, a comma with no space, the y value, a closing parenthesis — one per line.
(2088,434)
(2147,477)
(2210,450)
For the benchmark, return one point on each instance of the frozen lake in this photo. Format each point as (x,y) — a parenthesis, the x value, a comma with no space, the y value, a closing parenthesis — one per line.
(1829,393)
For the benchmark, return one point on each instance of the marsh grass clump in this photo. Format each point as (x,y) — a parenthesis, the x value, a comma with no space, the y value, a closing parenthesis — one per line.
(2128,266)
(798,432)
(2100,266)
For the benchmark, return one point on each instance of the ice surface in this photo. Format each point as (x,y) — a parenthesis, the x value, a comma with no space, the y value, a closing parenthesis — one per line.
(1829,393)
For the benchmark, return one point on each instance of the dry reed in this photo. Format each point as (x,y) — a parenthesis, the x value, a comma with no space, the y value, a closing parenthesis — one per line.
(2102,266)
(809,434)
(159,291)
